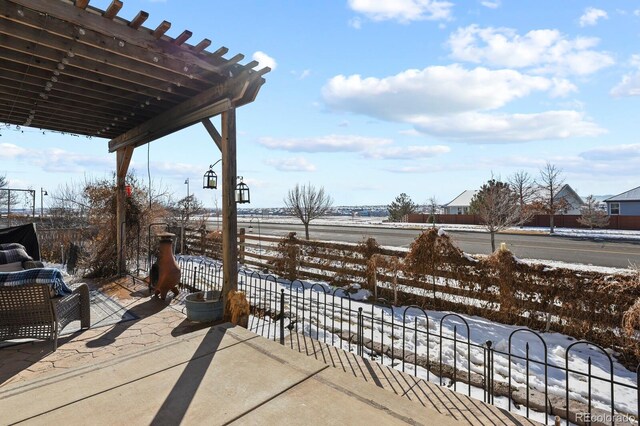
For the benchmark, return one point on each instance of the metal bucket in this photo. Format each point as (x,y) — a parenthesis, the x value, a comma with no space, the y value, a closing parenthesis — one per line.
(204,306)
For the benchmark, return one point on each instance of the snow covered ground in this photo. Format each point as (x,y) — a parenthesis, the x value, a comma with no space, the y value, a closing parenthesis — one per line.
(318,310)
(611,234)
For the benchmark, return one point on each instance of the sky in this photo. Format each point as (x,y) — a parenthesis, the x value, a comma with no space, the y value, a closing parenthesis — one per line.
(372,98)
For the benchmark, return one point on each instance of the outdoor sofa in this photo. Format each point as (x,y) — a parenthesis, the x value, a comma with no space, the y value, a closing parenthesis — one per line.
(36,303)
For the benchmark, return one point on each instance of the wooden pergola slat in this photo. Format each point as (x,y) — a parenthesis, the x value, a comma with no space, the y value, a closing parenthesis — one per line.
(69,67)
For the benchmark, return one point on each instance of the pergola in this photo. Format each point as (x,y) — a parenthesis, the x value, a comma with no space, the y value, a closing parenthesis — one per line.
(69,67)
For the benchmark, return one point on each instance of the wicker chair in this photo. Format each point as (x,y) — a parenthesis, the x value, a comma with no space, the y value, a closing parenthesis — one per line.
(29,311)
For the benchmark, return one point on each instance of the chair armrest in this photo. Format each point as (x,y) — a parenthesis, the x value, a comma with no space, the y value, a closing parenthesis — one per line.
(31,264)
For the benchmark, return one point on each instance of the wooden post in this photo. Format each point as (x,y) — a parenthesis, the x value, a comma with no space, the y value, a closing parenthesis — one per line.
(229,208)
(123,158)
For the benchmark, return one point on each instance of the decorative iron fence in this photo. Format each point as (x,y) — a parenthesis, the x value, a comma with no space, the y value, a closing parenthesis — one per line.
(507,366)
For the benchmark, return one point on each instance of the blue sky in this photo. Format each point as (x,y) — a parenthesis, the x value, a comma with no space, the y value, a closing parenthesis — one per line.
(370,98)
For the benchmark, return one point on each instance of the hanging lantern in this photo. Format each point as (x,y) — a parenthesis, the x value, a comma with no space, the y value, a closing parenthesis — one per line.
(242,192)
(210,179)
(127,190)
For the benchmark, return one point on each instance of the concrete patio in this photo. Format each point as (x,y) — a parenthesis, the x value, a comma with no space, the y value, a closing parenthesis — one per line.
(162,369)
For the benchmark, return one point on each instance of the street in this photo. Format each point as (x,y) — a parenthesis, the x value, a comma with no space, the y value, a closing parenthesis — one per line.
(574,250)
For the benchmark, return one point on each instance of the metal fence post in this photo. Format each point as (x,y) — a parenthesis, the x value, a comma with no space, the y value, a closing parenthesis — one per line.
(195,273)
(489,373)
(360,332)
(282,317)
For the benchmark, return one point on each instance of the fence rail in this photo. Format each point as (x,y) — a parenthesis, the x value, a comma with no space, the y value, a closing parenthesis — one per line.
(539,220)
(445,348)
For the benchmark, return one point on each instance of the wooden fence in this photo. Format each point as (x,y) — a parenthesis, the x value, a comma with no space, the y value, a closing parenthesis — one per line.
(434,274)
(539,220)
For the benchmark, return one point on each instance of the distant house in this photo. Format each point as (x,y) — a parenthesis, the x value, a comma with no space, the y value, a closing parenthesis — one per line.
(625,204)
(573,200)
(460,204)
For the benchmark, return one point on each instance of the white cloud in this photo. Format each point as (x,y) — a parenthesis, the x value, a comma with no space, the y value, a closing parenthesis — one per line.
(175,170)
(491,4)
(542,51)
(628,86)
(10,151)
(301,75)
(630,152)
(630,83)
(591,16)
(265,60)
(403,11)
(407,153)
(636,12)
(562,88)
(436,90)
(454,103)
(410,132)
(330,143)
(355,23)
(501,128)
(55,159)
(292,164)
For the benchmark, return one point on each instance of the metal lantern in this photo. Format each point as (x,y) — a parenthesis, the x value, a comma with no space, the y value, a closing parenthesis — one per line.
(210,179)
(242,192)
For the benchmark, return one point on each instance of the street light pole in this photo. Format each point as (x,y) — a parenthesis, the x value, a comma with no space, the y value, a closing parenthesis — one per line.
(187,183)
(42,194)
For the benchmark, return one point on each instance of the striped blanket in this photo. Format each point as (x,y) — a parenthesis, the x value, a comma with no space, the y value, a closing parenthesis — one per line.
(13,255)
(50,276)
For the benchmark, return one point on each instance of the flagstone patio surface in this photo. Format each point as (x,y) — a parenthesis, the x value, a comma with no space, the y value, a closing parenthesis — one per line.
(162,369)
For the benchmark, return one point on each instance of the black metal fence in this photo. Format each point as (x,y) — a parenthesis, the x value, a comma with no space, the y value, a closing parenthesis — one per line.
(518,374)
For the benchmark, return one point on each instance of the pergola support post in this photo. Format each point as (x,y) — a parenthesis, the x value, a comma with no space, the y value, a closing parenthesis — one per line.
(123,159)
(229,208)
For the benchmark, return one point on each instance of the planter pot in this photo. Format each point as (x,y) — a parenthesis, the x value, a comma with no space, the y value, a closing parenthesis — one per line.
(204,306)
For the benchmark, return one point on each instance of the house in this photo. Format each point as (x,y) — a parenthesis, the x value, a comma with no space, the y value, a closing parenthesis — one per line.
(625,204)
(460,204)
(573,201)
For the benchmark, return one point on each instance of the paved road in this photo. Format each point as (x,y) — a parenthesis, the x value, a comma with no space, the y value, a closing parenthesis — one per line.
(574,250)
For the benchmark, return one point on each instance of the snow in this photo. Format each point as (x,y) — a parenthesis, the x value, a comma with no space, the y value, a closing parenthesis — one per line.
(316,308)
(610,234)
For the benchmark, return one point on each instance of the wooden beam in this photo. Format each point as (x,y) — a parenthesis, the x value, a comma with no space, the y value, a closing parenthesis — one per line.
(113,9)
(229,207)
(165,124)
(145,40)
(186,35)
(82,4)
(211,98)
(139,20)
(213,132)
(161,29)
(202,45)
(123,159)
(96,52)
(94,96)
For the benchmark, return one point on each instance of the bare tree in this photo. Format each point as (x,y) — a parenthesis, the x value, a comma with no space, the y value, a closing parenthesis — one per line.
(188,210)
(551,181)
(432,209)
(498,208)
(524,186)
(4,195)
(591,215)
(308,203)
